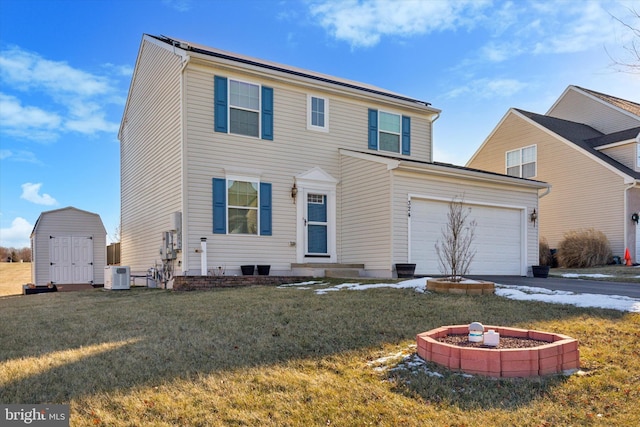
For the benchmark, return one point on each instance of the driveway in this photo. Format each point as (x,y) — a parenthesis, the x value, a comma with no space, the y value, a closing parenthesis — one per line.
(583,286)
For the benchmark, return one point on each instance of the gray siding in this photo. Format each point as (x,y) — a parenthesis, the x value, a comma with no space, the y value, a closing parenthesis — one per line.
(578,107)
(150,156)
(625,154)
(366,209)
(62,223)
(294,150)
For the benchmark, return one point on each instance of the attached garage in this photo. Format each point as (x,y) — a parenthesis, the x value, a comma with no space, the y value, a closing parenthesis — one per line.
(68,248)
(500,236)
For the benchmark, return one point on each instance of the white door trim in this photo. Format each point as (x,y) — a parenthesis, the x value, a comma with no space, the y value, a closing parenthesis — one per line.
(316,181)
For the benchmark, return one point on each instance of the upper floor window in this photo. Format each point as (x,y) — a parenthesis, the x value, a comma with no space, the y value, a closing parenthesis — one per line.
(243,108)
(389,132)
(637,155)
(522,162)
(317,113)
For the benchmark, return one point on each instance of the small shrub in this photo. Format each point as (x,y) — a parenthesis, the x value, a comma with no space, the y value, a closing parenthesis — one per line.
(544,252)
(584,248)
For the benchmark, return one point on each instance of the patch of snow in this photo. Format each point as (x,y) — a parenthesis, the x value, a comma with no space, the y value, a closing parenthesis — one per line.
(595,276)
(616,302)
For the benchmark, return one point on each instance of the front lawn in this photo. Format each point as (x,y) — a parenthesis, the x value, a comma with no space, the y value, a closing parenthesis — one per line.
(271,356)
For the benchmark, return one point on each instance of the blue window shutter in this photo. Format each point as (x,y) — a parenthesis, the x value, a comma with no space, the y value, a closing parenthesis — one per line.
(219,206)
(267,113)
(406,135)
(265,209)
(220,104)
(373,129)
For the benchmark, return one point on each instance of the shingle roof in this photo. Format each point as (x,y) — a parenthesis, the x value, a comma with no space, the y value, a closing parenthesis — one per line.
(585,137)
(623,135)
(630,106)
(256,62)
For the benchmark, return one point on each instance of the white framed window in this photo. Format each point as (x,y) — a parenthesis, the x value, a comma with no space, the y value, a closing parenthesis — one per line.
(244,108)
(317,113)
(242,206)
(522,162)
(389,131)
(637,155)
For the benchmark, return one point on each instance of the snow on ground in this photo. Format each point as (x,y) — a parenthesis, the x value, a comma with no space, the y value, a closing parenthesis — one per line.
(616,302)
(576,275)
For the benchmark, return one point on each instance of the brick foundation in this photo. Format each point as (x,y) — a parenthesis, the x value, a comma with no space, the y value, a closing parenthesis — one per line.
(194,283)
(561,354)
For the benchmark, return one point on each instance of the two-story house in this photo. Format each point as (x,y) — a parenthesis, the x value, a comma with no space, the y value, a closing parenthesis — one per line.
(228,160)
(587,147)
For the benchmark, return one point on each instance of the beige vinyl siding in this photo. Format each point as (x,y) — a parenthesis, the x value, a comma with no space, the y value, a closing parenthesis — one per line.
(293,151)
(436,187)
(578,107)
(584,192)
(62,223)
(150,156)
(625,154)
(366,228)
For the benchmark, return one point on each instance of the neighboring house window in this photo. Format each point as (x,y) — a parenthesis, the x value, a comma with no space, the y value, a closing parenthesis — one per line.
(243,108)
(317,113)
(638,155)
(389,132)
(522,162)
(241,207)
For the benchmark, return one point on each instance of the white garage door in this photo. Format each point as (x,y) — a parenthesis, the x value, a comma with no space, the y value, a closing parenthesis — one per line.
(498,241)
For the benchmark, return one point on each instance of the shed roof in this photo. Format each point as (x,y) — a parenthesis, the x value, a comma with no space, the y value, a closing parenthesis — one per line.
(68,208)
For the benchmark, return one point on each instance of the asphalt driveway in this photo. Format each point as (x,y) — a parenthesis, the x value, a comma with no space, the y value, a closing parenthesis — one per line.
(583,286)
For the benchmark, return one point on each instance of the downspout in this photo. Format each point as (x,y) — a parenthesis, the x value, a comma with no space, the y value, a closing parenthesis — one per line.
(183,263)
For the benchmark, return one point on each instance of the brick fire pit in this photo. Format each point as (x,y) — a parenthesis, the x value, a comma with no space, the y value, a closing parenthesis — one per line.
(561,354)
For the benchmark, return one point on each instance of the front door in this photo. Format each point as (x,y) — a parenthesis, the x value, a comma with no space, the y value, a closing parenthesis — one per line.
(317,225)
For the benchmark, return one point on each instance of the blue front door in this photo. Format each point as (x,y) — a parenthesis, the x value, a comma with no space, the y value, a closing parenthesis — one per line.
(316,224)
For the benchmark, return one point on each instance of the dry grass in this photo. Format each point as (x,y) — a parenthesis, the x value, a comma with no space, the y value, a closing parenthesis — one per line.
(12,276)
(267,356)
(584,249)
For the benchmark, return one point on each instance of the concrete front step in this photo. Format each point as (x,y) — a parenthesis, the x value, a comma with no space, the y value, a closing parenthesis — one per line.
(327,270)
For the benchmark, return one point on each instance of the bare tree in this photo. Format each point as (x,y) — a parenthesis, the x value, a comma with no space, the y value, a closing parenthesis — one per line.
(454,251)
(631,63)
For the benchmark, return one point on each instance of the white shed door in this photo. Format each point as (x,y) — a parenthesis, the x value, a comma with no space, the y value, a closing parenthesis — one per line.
(499,238)
(71,259)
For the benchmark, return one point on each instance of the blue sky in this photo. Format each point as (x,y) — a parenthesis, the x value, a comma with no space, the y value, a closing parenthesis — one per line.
(65,69)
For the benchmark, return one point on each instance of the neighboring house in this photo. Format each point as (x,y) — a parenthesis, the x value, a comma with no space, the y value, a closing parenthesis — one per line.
(294,169)
(69,247)
(587,147)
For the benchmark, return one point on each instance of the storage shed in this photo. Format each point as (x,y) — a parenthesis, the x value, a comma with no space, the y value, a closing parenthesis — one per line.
(68,248)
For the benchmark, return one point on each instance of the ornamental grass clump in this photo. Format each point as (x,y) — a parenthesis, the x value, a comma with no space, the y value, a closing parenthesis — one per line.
(544,253)
(584,248)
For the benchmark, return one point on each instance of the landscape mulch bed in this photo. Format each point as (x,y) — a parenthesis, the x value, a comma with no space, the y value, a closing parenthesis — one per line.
(505,342)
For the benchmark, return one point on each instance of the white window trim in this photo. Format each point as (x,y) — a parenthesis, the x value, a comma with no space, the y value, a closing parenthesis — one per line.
(520,150)
(310,126)
(390,133)
(229,107)
(637,155)
(243,178)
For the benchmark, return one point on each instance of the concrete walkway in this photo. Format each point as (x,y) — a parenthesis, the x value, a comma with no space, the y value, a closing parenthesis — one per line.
(583,286)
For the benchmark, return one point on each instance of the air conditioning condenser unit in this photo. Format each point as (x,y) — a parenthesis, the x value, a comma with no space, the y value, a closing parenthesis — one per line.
(116,277)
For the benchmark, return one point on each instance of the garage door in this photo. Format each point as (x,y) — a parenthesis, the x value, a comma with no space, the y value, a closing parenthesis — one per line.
(498,242)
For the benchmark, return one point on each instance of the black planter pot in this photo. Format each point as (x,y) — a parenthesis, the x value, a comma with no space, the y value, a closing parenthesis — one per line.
(540,271)
(263,270)
(405,271)
(247,270)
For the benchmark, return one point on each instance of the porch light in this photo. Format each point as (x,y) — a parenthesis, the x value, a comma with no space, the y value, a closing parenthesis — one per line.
(294,192)
(635,217)
(533,216)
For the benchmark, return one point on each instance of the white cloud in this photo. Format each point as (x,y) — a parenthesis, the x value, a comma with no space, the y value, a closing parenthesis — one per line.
(488,88)
(363,23)
(179,5)
(17,235)
(19,156)
(70,99)
(27,121)
(30,193)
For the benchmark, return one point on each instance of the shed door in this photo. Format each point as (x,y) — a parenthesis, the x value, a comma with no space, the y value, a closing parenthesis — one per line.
(499,238)
(71,259)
